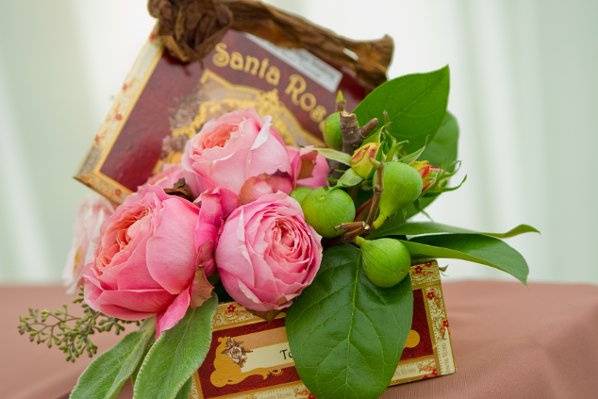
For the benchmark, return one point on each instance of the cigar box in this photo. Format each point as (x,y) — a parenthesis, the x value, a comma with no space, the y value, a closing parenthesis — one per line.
(251,358)
(161,104)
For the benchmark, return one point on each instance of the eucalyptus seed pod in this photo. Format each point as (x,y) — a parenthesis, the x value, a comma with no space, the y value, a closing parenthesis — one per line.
(331,129)
(401,186)
(324,209)
(386,261)
(300,193)
(363,161)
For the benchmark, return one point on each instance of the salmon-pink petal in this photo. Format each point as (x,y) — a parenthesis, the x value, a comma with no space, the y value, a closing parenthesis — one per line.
(93,296)
(174,313)
(267,155)
(143,301)
(171,251)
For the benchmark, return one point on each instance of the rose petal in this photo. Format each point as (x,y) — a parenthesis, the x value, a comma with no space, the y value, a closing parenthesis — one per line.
(171,252)
(174,313)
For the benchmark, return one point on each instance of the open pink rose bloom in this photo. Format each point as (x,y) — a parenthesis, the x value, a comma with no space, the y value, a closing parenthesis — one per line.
(149,253)
(267,253)
(155,252)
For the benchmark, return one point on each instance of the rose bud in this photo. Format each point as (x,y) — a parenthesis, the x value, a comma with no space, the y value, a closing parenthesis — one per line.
(428,173)
(325,209)
(233,148)
(153,254)
(331,129)
(401,186)
(256,186)
(308,167)
(386,261)
(363,161)
(267,254)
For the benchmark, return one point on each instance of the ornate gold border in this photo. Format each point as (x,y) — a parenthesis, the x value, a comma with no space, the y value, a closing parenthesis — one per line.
(424,277)
(90,172)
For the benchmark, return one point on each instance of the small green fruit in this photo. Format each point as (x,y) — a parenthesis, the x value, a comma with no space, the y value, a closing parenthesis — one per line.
(325,209)
(300,193)
(331,128)
(401,186)
(386,261)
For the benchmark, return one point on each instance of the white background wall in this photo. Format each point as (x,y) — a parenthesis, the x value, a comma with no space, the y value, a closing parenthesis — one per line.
(524,87)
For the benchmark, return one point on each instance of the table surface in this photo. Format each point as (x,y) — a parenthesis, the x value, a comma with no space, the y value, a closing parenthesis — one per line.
(509,341)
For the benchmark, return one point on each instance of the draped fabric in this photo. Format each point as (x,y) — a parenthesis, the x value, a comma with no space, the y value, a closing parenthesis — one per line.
(509,341)
(523,87)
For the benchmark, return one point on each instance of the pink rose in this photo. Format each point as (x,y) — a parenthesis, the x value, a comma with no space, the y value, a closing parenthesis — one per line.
(257,186)
(91,215)
(309,168)
(170,176)
(267,253)
(231,149)
(150,257)
(215,206)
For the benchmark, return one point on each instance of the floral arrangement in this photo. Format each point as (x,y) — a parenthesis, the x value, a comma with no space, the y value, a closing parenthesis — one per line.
(323,234)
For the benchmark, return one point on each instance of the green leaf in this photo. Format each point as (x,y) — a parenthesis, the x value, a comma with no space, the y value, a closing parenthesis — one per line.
(424,228)
(177,354)
(416,105)
(442,150)
(185,390)
(346,334)
(349,179)
(106,375)
(335,155)
(476,248)
(408,158)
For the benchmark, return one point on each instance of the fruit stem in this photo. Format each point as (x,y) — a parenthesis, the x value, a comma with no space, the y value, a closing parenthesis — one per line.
(379,221)
(353,229)
(378,188)
(359,241)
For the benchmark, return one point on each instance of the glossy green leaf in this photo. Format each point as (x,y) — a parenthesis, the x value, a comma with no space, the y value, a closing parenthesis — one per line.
(416,105)
(335,155)
(476,248)
(346,334)
(441,151)
(425,228)
(106,375)
(177,354)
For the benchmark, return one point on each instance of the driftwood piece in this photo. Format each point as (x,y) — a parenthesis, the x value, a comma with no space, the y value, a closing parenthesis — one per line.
(191,28)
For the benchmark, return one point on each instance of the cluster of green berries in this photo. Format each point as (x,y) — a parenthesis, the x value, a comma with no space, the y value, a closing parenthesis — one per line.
(386,261)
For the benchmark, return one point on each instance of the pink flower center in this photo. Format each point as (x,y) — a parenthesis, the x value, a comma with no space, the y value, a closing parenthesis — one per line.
(125,231)
(285,239)
(218,137)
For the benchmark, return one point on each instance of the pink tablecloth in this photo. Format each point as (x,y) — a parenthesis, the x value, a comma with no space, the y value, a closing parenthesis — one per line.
(510,341)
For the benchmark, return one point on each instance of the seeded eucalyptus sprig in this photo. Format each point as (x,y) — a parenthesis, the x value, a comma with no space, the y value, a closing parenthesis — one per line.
(68,332)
